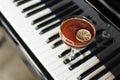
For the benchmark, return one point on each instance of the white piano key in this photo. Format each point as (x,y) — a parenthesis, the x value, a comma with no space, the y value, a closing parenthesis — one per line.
(104,77)
(112,77)
(87,53)
(95,73)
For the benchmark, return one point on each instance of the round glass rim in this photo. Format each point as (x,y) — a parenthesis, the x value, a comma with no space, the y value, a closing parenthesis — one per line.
(75,44)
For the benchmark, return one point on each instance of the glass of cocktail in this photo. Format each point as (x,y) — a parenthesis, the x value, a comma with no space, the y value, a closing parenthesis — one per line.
(77,33)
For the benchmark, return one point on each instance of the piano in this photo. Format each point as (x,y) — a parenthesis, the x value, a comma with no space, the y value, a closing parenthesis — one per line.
(34,27)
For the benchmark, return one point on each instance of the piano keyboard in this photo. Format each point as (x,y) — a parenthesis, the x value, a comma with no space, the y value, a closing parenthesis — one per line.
(37,23)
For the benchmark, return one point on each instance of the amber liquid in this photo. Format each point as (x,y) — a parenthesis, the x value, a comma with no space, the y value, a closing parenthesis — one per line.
(69,29)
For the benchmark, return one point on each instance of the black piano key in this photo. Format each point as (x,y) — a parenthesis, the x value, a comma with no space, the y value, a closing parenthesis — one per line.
(54,11)
(100,56)
(49,4)
(36,11)
(93,52)
(15,0)
(58,23)
(110,60)
(100,74)
(34,5)
(94,22)
(90,70)
(116,71)
(67,12)
(55,18)
(113,61)
(103,45)
(64,53)
(45,23)
(57,44)
(78,12)
(117,78)
(41,18)
(52,38)
(89,17)
(22,2)
(74,12)
(31,7)
(108,57)
(49,28)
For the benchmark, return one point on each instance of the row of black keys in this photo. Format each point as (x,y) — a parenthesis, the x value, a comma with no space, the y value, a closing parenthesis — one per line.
(62,10)
(110,60)
(59,8)
(94,47)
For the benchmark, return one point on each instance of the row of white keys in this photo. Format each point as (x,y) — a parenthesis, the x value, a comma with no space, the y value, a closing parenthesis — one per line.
(29,30)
